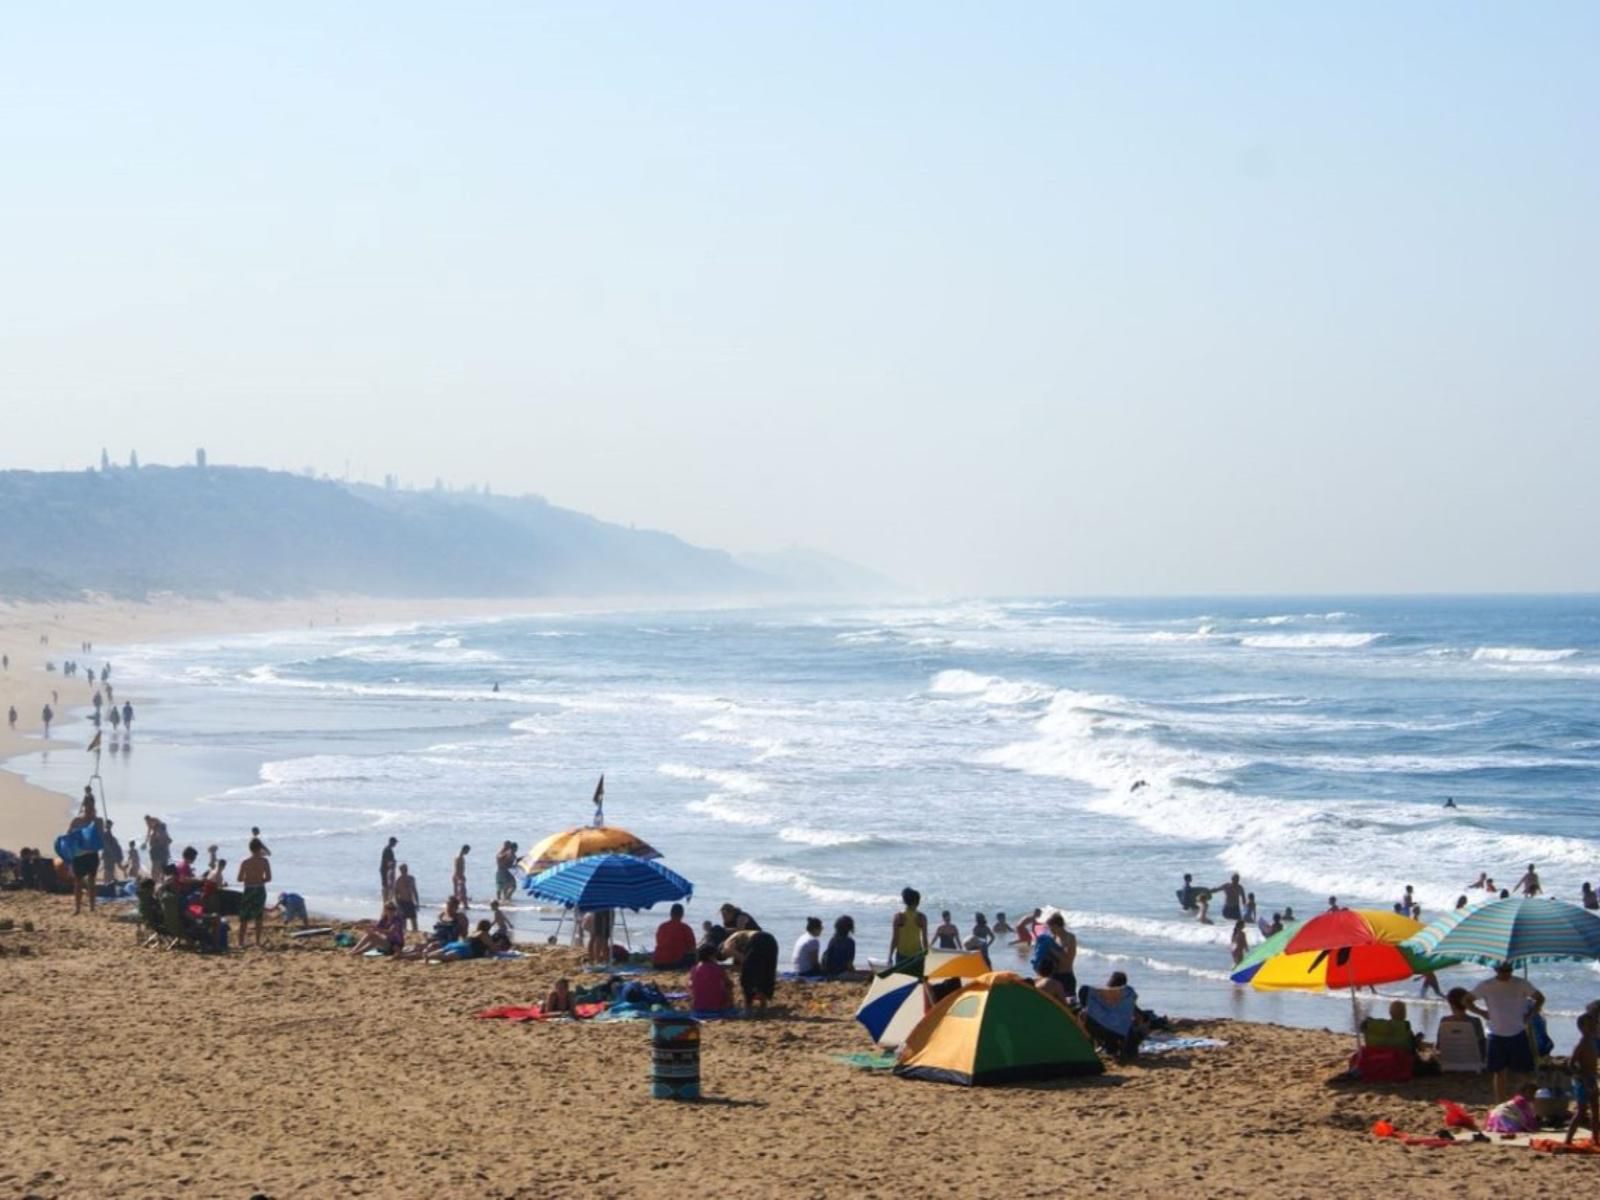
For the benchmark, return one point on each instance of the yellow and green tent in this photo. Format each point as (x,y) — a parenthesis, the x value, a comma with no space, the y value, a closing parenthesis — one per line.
(997,1029)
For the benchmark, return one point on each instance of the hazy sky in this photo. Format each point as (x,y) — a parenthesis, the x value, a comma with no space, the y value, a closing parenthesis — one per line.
(1128,298)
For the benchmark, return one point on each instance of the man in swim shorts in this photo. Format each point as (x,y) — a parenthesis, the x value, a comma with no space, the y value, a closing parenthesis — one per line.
(405,895)
(255,873)
(1232,898)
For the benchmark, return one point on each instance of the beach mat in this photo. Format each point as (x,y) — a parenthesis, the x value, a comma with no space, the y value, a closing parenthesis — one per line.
(866,1062)
(535,1012)
(1157,1044)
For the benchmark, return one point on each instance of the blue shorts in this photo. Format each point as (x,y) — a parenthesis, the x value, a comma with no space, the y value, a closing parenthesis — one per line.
(1510,1053)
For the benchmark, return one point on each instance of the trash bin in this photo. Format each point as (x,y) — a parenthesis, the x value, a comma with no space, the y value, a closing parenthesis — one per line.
(675,1057)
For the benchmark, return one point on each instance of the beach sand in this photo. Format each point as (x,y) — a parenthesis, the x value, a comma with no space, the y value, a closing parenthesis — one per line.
(298,1071)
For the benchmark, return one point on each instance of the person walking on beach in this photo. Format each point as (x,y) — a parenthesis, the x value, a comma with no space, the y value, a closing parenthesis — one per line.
(458,879)
(127,720)
(908,933)
(11,717)
(386,869)
(111,856)
(97,702)
(1529,884)
(116,721)
(86,853)
(255,873)
(49,715)
(405,895)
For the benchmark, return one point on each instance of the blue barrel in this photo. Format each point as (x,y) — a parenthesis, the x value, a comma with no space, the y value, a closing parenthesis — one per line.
(675,1057)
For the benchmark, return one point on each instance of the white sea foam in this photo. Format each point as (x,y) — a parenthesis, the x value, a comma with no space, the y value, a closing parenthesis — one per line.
(990,689)
(1309,641)
(803,836)
(728,810)
(1521,654)
(760,872)
(738,782)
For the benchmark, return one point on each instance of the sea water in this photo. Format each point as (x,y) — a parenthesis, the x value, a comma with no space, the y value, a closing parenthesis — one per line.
(995,754)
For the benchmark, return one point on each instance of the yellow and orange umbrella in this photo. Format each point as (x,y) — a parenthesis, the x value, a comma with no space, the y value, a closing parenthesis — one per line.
(585,841)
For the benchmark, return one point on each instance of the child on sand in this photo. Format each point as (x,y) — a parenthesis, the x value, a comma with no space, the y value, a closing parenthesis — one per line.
(708,983)
(499,927)
(560,998)
(1585,1088)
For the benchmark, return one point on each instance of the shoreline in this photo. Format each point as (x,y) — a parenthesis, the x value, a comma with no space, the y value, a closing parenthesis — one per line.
(33,815)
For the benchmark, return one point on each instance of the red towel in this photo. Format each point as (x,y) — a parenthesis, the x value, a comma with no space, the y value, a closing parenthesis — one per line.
(535,1012)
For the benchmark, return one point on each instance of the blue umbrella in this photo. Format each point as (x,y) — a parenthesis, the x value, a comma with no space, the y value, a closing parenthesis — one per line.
(1520,929)
(609,881)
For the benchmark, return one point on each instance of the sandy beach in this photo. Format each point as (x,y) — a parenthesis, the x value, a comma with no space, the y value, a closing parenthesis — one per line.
(296,1071)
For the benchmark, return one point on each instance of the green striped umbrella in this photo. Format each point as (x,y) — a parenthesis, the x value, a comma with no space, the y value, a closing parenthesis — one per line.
(1519,930)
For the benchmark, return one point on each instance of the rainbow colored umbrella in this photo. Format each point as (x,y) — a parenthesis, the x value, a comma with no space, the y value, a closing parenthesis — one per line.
(1251,963)
(1346,948)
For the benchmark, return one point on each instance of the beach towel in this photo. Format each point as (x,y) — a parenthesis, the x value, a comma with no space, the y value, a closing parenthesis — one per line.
(1168,1045)
(83,840)
(535,1012)
(867,1062)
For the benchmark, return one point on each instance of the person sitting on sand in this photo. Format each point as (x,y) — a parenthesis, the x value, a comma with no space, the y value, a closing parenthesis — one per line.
(946,936)
(712,935)
(1241,943)
(405,895)
(185,865)
(709,990)
(675,941)
(387,935)
(475,946)
(1000,926)
(451,926)
(255,873)
(734,917)
(908,932)
(1112,1018)
(559,998)
(1591,901)
(500,928)
(1460,1000)
(839,955)
(807,953)
(1028,928)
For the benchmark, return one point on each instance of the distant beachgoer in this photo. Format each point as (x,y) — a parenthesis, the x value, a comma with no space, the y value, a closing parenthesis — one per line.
(386,869)
(1504,894)
(1333,904)
(49,715)
(1186,894)
(458,878)
(1449,802)
(1250,908)
(946,936)
(1507,1001)
(675,942)
(908,932)
(127,718)
(97,702)
(132,867)
(256,834)
(159,842)
(599,944)
(839,955)
(1408,902)
(111,856)
(111,692)
(497,685)
(1241,943)
(1430,981)
(11,716)
(1055,954)
(1288,913)
(1591,901)
(1000,927)
(1461,902)
(85,863)
(982,936)
(1028,928)
(708,983)
(211,859)
(1232,898)
(1265,925)
(405,895)
(387,935)
(807,955)
(1585,1086)
(1137,784)
(116,720)
(291,906)
(500,927)
(559,998)
(505,883)
(1489,884)
(734,917)
(1529,884)
(255,873)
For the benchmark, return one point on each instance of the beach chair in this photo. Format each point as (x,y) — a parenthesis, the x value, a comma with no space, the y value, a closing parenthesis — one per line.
(1460,1048)
(151,929)
(176,927)
(1388,1051)
(1112,1018)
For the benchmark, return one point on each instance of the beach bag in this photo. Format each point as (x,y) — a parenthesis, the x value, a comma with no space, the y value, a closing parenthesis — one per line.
(1383,1064)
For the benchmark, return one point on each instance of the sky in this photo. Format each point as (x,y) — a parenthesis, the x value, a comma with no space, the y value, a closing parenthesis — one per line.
(1033,298)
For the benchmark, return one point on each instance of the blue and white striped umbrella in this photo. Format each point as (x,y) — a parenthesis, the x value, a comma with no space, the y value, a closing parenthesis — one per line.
(1518,930)
(609,881)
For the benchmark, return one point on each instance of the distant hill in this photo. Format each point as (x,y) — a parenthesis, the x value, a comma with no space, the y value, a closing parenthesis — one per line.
(249,531)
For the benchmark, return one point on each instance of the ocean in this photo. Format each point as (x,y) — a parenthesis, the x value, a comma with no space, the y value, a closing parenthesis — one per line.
(995,754)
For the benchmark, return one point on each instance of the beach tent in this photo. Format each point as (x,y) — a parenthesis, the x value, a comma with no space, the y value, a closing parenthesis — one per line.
(897,998)
(997,1029)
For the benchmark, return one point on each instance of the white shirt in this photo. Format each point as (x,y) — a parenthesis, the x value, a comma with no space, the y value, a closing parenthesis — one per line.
(1507,1001)
(807,952)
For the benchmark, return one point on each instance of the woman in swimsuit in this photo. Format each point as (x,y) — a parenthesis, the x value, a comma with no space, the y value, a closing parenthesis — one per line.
(947,936)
